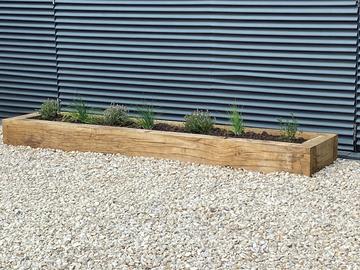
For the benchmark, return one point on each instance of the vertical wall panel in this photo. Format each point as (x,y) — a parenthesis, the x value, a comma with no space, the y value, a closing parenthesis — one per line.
(357,101)
(27,55)
(271,57)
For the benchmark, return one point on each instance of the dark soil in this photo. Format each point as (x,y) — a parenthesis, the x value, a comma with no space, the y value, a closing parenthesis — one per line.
(228,134)
(264,136)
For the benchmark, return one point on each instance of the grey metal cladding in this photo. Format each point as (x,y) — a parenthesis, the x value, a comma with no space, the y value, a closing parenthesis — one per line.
(272,58)
(357,101)
(27,55)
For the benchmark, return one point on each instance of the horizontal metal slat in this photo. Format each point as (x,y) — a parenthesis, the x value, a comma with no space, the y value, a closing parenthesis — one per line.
(273,3)
(201,68)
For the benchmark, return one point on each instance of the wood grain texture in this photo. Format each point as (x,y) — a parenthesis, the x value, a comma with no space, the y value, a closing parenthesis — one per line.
(264,156)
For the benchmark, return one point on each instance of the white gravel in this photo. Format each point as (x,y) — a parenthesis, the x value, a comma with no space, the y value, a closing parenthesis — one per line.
(93,211)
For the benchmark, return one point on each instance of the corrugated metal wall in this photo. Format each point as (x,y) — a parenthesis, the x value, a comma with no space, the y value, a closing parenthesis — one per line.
(357,100)
(27,55)
(273,57)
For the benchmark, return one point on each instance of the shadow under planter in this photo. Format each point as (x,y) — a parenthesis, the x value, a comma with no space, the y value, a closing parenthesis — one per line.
(318,151)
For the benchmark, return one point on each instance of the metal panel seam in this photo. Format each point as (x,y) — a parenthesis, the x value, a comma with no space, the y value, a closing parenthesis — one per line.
(357,83)
(56,50)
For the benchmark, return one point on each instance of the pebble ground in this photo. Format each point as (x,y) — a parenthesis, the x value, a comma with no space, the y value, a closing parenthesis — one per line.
(94,211)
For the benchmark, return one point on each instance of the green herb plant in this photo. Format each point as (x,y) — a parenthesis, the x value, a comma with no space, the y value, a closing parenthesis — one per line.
(79,113)
(116,115)
(147,117)
(289,128)
(199,122)
(49,110)
(237,122)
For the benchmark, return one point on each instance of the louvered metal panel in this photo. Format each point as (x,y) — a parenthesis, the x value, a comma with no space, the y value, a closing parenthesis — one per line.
(27,55)
(357,101)
(271,57)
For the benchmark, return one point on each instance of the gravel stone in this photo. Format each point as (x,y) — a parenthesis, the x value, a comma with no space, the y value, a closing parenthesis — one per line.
(94,211)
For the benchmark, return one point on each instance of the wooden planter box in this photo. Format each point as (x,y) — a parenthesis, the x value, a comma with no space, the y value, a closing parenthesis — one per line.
(307,158)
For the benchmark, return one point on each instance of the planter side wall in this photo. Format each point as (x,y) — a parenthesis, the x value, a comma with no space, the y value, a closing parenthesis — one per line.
(237,153)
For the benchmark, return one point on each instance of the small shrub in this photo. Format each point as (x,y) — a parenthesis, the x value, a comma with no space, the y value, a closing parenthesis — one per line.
(147,117)
(289,128)
(199,122)
(116,115)
(50,109)
(237,121)
(79,113)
